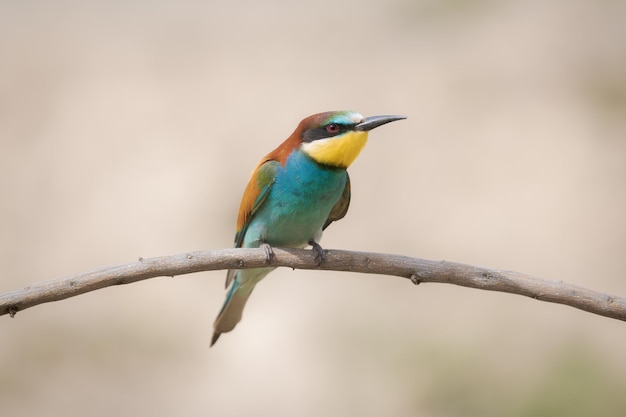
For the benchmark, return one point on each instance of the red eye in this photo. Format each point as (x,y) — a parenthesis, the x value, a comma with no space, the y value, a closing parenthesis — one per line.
(332,128)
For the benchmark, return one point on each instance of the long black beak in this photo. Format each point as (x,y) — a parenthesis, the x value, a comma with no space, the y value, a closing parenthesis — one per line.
(372,122)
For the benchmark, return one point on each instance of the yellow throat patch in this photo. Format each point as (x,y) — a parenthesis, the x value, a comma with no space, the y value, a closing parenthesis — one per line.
(338,151)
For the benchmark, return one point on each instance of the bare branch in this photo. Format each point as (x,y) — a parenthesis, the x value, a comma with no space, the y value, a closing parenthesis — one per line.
(417,270)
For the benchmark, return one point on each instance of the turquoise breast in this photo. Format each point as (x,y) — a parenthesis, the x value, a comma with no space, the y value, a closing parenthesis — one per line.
(303,194)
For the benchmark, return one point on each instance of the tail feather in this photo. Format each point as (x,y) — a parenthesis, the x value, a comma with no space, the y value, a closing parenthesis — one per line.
(231,311)
(242,283)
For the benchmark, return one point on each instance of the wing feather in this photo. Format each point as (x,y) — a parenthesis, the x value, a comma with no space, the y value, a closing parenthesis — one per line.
(254,196)
(341,207)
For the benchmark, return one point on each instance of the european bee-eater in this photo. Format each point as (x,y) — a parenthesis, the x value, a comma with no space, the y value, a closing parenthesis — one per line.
(293,194)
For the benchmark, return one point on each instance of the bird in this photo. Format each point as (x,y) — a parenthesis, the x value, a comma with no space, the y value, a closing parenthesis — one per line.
(294,193)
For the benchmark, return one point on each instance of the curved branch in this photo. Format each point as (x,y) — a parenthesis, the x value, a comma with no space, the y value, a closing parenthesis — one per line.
(417,270)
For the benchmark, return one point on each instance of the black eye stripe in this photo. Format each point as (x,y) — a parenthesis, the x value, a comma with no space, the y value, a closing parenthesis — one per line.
(316,133)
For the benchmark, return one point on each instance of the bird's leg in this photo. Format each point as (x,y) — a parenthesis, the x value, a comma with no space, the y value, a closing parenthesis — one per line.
(320,253)
(269,252)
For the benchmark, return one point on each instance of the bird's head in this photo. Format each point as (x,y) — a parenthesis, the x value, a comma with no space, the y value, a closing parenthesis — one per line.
(336,138)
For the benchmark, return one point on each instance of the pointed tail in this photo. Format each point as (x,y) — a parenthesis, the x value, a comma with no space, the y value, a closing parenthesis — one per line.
(231,311)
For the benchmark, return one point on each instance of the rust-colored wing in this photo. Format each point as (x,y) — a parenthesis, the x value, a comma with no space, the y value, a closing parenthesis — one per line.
(256,192)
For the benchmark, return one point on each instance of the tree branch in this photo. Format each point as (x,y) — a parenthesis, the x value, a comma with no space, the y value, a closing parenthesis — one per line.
(417,270)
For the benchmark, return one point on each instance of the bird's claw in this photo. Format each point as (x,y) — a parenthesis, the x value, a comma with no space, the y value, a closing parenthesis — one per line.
(269,252)
(320,253)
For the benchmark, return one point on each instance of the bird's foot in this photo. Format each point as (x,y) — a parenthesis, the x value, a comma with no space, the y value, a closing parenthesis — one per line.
(320,253)
(269,252)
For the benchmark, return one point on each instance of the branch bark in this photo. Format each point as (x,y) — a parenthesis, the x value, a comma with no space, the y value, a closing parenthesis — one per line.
(417,270)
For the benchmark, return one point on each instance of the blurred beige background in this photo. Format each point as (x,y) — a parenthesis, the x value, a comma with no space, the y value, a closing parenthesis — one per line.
(129,129)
